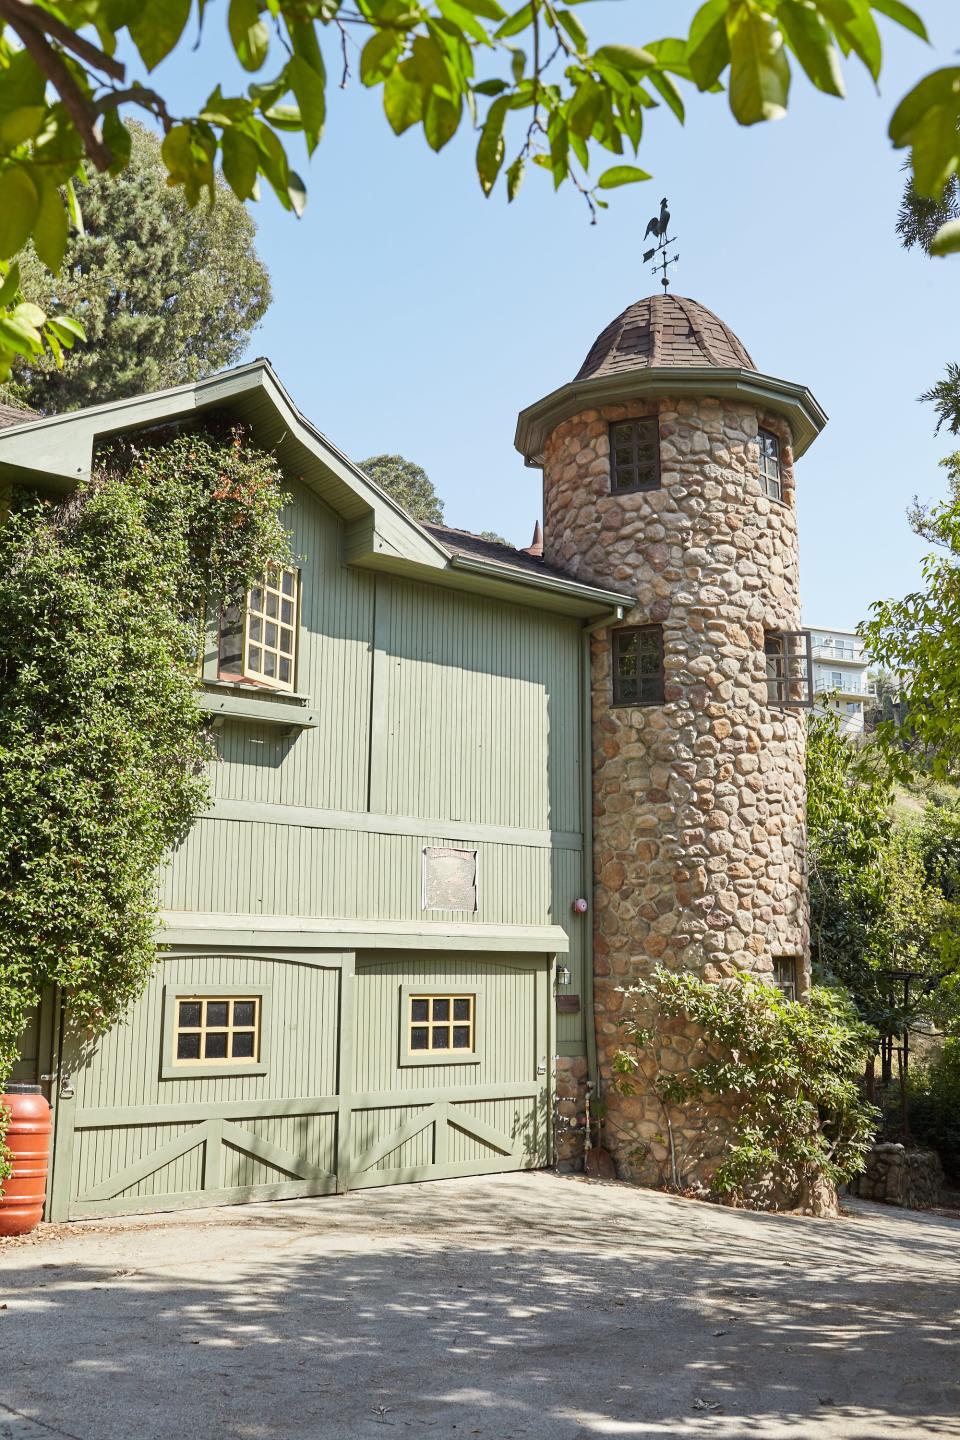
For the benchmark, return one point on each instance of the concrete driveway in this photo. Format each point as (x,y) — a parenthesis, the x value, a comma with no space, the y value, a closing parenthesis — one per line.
(515,1306)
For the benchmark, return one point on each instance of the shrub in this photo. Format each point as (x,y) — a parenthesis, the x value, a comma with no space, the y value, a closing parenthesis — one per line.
(786,1073)
(933,1091)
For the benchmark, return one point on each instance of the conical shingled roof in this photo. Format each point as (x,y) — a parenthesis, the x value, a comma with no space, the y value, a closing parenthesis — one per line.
(664,331)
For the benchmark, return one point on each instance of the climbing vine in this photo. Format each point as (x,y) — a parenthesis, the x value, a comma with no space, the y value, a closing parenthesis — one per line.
(103,749)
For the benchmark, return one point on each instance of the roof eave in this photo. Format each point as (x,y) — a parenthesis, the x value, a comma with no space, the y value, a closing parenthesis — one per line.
(799,406)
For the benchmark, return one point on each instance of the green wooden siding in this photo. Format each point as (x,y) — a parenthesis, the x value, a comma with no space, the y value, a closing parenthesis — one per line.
(334,1108)
(432,705)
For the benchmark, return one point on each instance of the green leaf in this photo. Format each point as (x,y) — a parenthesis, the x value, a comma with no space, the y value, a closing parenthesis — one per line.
(22,84)
(490,87)
(935,150)
(297,193)
(117,137)
(249,33)
(73,207)
(441,117)
(585,107)
(856,29)
(903,15)
(402,102)
(621,175)
(812,43)
(520,20)
(945,242)
(379,56)
(50,228)
(489,9)
(708,45)
(68,329)
(241,163)
(575,30)
(626,57)
(156,26)
(19,207)
(461,17)
(668,91)
(11,285)
(759,70)
(20,124)
(490,147)
(310,92)
(939,88)
(515,178)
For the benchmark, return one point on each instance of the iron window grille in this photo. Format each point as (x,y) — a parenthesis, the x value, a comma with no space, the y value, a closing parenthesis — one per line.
(789,668)
(635,455)
(638,665)
(785,976)
(259,643)
(770,476)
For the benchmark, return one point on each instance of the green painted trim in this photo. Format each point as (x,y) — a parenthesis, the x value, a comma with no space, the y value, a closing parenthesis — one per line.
(427,1058)
(795,402)
(614,600)
(109,1117)
(316,960)
(192,1199)
(248,705)
(457,832)
(171,1071)
(346,1038)
(239,1138)
(373,1179)
(180,927)
(379,719)
(429,1095)
(64,1114)
(570,1050)
(549,1011)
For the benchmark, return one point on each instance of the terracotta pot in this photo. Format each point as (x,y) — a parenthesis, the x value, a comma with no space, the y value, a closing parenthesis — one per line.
(28,1139)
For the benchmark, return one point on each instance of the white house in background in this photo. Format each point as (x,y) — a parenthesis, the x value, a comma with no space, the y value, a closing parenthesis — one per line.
(840,672)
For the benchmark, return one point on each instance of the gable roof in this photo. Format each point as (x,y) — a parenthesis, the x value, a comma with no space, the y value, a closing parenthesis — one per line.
(13,415)
(57,452)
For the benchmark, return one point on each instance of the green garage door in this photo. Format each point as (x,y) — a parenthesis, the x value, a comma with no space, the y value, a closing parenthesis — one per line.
(451,1065)
(271,1076)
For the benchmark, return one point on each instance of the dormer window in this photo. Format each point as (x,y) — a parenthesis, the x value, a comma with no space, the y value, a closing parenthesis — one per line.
(259,643)
(770,480)
(635,455)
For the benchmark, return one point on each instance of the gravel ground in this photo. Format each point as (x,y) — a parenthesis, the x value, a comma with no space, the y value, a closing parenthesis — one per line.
(513,1306)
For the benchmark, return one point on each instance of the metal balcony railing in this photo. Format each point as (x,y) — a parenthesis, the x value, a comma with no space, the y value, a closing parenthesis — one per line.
(840,652)
(825,683)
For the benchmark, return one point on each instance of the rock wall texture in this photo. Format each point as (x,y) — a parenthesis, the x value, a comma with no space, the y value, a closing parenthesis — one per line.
(569,1128)
(898,1176)
(699,838)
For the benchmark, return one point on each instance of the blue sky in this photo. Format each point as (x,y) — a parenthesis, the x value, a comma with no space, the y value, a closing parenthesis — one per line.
(412,315)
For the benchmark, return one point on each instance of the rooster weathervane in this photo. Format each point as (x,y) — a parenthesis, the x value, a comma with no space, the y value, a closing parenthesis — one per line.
(657,227)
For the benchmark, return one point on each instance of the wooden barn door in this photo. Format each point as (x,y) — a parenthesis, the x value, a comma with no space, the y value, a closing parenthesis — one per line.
(425,1110)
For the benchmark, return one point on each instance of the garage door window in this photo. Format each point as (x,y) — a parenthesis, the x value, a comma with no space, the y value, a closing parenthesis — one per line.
(438,1027)
(212,1032)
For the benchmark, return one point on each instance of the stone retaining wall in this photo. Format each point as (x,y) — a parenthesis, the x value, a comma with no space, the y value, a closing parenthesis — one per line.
(898,1176)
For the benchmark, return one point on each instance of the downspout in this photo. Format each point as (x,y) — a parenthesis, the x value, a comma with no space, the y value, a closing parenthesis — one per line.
(586,802)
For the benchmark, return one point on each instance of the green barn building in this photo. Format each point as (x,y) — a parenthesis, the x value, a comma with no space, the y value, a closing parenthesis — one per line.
(464,792)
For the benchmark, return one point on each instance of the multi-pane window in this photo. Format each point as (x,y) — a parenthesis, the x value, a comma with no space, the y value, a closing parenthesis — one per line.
(789,667)
(770,481)
(216,1029)
(638,665)
(785,976)
(442,1023)
(635,455)
(260,643)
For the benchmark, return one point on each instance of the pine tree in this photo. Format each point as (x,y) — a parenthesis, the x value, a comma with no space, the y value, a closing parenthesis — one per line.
(166,294)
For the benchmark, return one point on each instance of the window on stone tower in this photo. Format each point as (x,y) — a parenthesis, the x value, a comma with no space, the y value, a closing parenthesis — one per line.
(635,455)
(785,975)
(789,667)
(770,465)
(638,665)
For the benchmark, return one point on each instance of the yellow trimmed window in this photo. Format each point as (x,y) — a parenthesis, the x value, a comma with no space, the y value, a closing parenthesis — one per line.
(216,1029)
(441,1023)
(260,645)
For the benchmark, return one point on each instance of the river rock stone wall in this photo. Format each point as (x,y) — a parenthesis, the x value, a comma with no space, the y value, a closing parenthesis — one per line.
(699,802)
(898,1176)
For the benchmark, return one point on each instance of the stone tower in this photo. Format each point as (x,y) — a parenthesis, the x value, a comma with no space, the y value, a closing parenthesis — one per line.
(668,475)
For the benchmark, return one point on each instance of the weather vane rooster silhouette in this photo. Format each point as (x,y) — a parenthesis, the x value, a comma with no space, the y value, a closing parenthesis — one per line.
(657,227)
